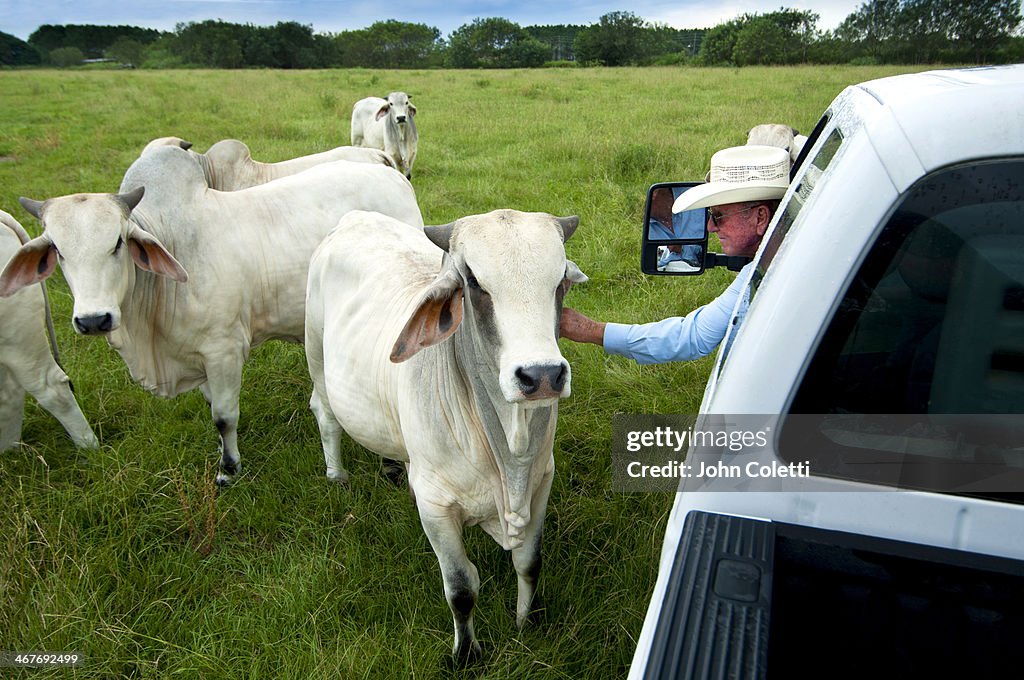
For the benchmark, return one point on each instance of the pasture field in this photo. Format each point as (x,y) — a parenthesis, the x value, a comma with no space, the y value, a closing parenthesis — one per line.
(134,559)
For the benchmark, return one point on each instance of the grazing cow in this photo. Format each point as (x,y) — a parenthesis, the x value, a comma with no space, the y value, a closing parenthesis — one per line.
(28,356)
(776,134)
(445,356)
(246,254)
(387,124)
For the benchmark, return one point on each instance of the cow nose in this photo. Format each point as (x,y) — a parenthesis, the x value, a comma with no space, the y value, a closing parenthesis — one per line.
(542,380)
(400,119)
(96,323)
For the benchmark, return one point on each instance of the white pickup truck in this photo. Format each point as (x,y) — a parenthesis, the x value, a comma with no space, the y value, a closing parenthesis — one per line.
(872,526)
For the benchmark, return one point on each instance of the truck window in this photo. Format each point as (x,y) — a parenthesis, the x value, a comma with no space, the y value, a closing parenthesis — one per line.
(933,325)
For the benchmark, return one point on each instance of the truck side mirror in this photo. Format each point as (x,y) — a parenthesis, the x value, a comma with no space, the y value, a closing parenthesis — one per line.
(676,244)
(673,243)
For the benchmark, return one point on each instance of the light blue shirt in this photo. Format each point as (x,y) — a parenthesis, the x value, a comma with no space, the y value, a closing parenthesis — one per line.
(682,338)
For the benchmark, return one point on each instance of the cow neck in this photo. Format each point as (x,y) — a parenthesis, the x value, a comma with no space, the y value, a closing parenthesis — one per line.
(143,326)
(519,438)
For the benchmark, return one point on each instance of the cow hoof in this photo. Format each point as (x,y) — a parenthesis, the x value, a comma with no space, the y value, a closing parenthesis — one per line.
(340,478)
(467,655)
(223,480)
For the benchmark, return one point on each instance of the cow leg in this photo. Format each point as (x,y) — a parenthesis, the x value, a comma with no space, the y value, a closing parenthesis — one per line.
(330,437)
(12,409)
(526,557)
(224,383)
(461,580)
(52,389)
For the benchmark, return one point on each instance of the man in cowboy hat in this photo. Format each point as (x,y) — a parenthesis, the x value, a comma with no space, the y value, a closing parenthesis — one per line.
(742,192)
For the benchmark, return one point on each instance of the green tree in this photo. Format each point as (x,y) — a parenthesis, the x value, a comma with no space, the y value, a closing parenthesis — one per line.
(717,47)
(391,44)
(760,41)
(981,25)
(17,52)
(127,51)
(617,39)
(66,56)
(494,43)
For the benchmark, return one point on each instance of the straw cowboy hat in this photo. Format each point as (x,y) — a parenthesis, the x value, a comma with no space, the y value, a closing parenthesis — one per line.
(738,174)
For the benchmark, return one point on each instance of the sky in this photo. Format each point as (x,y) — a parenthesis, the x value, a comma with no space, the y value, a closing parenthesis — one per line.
(22,17)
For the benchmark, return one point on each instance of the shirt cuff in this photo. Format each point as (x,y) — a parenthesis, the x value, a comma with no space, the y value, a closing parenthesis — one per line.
(615,337)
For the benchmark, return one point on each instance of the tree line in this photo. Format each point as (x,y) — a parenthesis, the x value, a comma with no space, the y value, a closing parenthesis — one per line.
(879,31)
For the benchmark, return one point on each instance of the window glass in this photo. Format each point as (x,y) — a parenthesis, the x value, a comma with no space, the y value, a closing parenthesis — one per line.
(930,330)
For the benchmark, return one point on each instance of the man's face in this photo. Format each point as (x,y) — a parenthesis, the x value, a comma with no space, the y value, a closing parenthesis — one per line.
(740,227)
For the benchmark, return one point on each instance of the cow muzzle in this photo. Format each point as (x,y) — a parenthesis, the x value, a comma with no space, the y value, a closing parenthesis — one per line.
(542,381)
(94,324)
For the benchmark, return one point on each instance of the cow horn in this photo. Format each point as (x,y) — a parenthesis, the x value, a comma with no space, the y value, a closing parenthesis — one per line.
(441,236)
(34,208)
(132,198)
(569,225)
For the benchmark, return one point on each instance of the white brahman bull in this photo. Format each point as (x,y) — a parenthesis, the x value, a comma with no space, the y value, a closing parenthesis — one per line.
(246,254)
(28,356)
(445,355)
(387,124)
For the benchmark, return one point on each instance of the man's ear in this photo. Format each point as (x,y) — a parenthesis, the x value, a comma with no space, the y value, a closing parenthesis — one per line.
(437,316)
(31,263)
(149,254)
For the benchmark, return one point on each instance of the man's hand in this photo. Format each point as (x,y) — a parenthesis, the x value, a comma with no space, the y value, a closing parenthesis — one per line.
(579,328)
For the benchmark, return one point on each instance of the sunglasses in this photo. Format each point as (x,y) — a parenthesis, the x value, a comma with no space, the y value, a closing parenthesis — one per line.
(717,217)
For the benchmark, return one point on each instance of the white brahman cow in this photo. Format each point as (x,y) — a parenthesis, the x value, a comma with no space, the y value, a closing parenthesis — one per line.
(28,356)
(246,254)
(776,134)
(387,124)
(228,164)
(445,355)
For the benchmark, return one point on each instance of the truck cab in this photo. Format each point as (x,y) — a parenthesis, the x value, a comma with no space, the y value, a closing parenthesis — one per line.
(874,527)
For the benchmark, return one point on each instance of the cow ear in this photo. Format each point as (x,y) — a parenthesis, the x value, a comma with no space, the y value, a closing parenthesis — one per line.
(149,254)
(412,110)
(436,317)
(573,275)
(383,111)
(31,263)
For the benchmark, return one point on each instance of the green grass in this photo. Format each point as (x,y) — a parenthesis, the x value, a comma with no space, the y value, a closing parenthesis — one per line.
(133,558)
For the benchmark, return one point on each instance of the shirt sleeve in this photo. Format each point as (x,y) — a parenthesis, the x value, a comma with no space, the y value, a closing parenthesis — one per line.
(679,338)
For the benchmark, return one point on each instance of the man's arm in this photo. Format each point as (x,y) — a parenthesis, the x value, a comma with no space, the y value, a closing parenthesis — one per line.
(580,328)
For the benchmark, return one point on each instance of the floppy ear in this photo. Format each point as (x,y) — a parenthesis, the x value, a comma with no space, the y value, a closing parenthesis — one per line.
(383,111)
(573,275)
(436,318)
(412,110)
(150,254)
(31,263)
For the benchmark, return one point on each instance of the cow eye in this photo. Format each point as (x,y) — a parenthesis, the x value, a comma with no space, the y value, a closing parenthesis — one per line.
(120,242)
(472,282)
